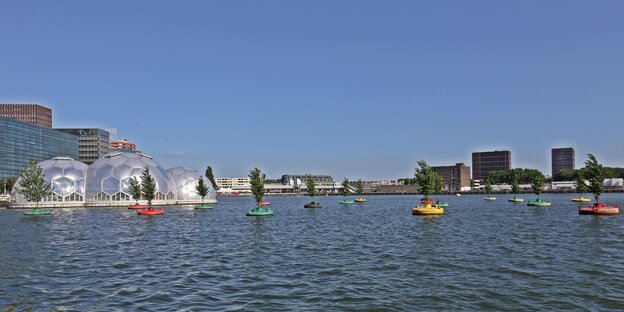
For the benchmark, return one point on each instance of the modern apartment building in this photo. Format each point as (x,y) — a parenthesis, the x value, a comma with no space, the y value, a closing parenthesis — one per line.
(562,158)
(21,142)
(122,145)
(485,162)
(34,114)
(454,177)
(94,143)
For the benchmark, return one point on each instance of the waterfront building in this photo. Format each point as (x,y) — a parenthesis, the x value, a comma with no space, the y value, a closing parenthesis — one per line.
(562,158)
(234,183)
(320,180)
(122,145)
(186,180)
(455,178)
(67,177)
(21,142)
(34,114)
(485,162)
(93,143)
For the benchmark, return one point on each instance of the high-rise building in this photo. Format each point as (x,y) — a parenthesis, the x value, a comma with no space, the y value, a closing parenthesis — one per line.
(22,142)
(454,177)
(33,114)
(562,158)
(94,143)
(485,162)
(122,145)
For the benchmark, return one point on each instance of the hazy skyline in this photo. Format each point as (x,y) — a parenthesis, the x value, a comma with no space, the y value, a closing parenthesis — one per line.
(379,84)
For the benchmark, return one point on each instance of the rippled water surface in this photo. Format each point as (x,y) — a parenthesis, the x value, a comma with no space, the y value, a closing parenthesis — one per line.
(377,256)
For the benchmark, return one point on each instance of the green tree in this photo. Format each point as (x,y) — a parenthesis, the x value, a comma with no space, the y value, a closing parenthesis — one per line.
(488,185)
(425,178)
(210,177)
(310,185)
(537,184)
(359,187)
(595,174)
(345,187)
(256,178)
(135,189)
(201,188)
(148,186)
(33,185)
(579,183)
(438,183)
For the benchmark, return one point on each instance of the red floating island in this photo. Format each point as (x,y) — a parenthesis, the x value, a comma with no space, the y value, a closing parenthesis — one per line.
(264,203)
(151,211)
(600,209)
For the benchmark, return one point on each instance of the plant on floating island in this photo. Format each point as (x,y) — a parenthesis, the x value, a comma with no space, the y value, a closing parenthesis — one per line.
(33,185)
(256,179)
(425,178)
(345,187)
(135,189)
(359,187)
(148,187)
(210,177)
(310,187)
(515,186)
(595,174)
(580,184)
(537,184)
(201,189)
(488,186)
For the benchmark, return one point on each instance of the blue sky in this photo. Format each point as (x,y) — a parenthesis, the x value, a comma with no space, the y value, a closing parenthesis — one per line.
(362,89)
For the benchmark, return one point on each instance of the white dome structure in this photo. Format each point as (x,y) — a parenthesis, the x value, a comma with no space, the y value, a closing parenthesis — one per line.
(67,177)
(186,180)
(108,177)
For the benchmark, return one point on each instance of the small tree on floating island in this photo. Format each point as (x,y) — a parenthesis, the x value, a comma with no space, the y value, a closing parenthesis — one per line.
(201,188)
(148,186)
(537,184)
(257,178)
(595,174)
(33,185)
(579,183)
(310,186)
(135,189)
(488,185)
(515,185)
(345,187)
(359,187)
(425,178)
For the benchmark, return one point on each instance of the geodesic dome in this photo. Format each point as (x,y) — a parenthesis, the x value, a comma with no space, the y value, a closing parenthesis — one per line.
(108,178)
(67,177)
(186,180)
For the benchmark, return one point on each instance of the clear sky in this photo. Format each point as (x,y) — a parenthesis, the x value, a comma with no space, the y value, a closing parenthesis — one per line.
(362,89)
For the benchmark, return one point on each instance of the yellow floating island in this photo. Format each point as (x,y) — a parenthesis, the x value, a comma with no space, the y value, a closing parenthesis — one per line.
(581,199)
(428,210)
(360,200)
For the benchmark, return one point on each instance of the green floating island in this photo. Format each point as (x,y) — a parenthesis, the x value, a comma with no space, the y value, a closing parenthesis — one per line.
(204,206)
(490,198)
(347,202)
(539,203)
(515,200)
(38,212)
(441,204)
(260,211)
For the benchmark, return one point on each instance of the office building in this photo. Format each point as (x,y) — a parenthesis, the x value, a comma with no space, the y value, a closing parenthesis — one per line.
(320,180)
(21,142)
(122,145)
(562,158)
(485,162)
(454,178)
(94,143)
(33,114)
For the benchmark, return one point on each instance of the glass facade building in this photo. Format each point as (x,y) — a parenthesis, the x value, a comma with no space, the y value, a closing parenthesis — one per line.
(562,158)
(94,143)
(21,142)
(485,162)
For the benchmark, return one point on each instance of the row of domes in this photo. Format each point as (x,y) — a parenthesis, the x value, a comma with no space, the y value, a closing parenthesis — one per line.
(107,179)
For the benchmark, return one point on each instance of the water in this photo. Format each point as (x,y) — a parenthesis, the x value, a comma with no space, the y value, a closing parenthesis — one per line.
(373,256)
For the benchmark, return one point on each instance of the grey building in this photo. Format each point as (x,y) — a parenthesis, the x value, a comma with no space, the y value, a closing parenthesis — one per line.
(21,142)
(318,179)
(562,158)
(485,162)
(94,143)
(454,177)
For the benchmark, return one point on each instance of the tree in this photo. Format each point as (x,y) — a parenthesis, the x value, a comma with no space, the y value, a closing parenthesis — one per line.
(210,177)
(345,187)
(437,184)
(359,187)
(595,174)
(515,186)
(537,184)
(579,183)
(135,189)
(425,178)
(33,185)
(148,186)
(256,178)
(488,185)
(201,188)
(310,185)
(2,186)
